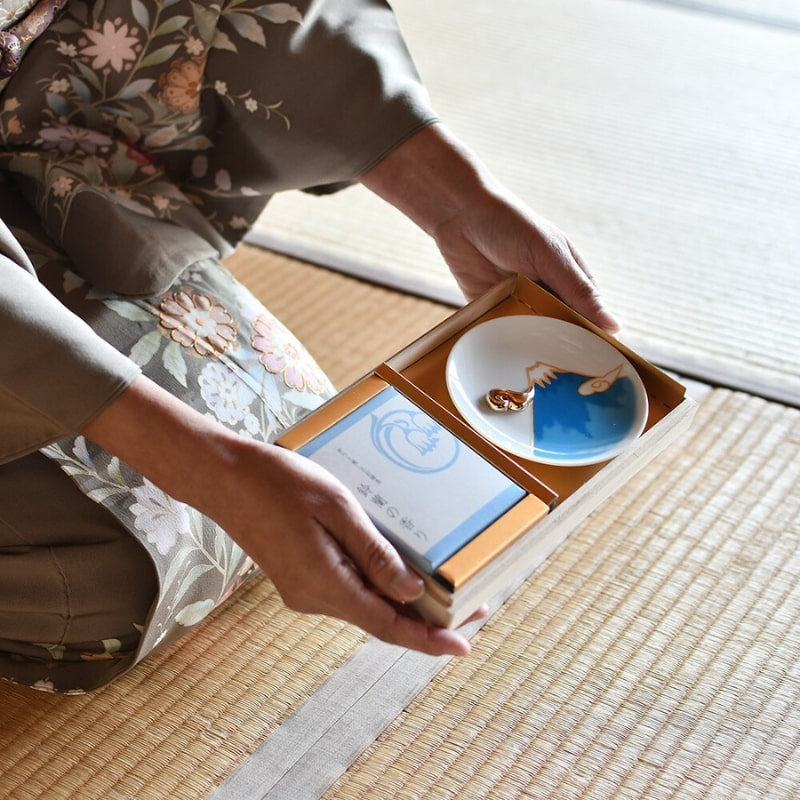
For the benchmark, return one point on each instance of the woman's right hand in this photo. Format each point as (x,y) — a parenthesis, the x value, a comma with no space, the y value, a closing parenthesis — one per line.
(313,539)
(294,519)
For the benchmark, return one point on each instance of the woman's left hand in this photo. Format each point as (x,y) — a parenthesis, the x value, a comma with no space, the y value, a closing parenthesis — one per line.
(483,231)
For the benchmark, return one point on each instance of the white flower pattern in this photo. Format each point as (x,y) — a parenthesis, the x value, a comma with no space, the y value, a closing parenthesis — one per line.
(225,394)
(110,46)
(162,519)
(197,563)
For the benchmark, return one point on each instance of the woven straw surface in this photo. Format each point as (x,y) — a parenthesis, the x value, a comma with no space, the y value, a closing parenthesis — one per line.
(350,326)
(663,140)
(656,655)
(178,723)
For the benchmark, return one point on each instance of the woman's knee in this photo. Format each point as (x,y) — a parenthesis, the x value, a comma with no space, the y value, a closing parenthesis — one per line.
(69,572)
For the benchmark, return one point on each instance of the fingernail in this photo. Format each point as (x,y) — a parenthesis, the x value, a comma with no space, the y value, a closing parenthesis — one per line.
(457,645)
(462,648)
(407,586)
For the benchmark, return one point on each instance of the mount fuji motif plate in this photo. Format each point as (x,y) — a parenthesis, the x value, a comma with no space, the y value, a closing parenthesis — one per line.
(589,403)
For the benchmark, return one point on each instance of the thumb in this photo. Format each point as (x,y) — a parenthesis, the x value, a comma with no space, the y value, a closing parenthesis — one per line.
(376,559)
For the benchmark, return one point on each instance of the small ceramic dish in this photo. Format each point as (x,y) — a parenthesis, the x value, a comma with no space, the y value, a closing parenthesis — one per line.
(589,403)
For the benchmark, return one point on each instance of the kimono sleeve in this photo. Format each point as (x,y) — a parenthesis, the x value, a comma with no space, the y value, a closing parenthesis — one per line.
(347,86)
(55,372)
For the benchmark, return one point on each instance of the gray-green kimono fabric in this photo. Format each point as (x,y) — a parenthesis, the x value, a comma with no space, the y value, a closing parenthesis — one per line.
(174,121)
(148,135)
(209,341)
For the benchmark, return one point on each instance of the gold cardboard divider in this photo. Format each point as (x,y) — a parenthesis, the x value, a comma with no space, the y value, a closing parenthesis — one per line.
(422,364)
(330,412)
(559,497)
(473,557)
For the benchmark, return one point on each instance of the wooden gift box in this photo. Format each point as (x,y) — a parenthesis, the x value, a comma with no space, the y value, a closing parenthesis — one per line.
(558,498)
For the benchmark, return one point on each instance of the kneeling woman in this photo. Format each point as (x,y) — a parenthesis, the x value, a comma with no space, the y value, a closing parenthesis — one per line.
(140,384)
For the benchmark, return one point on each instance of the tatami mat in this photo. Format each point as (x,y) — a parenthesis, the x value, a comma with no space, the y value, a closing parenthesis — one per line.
(655,655)
(663,139)
(349,325)
(178,723)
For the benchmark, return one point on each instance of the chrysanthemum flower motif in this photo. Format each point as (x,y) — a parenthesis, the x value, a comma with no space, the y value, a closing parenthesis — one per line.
(180,87)
(281,353)
(59,86)
(227,396)
(111,46)
(67,49)
(197,322)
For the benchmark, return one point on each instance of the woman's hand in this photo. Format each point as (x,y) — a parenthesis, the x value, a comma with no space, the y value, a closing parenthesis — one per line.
(314,540)
(483,231)
(295,520)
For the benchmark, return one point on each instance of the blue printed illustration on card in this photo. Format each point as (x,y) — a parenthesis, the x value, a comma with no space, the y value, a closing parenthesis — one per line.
(413,441)
(425,490)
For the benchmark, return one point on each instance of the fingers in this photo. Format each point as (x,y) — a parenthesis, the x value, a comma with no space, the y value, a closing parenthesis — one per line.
(483,248)
(586,297)
(557,263)
(376,559)
(384,569)
(367,583)
(579,292)
(384,620)
(320,548)
(346,594)
(323,500)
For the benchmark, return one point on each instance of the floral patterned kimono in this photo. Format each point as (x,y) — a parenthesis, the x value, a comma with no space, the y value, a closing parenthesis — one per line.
(140,141)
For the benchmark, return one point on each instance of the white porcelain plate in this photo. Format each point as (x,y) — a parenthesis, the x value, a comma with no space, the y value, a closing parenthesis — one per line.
(589,402)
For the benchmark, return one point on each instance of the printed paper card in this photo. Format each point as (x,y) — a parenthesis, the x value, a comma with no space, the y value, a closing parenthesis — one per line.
(425,490)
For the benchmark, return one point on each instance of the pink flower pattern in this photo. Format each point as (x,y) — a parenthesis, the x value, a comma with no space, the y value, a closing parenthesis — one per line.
(282,354)
(110,46)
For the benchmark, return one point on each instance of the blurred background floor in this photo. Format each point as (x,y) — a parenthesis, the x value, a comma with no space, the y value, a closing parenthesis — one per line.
(663,137)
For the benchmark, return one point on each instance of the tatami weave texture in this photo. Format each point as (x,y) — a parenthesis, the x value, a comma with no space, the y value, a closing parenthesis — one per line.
(656,655)
(663,139)
(177,724)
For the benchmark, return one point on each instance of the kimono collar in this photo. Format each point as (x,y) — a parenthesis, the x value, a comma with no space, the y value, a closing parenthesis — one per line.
(24,28)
